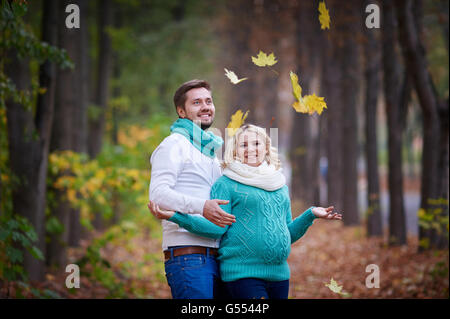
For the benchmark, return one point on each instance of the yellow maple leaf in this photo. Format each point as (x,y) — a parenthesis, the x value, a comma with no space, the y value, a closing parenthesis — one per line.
(300,107)
(308,103)
(324,16)
(233,77)
(263,59)
(315,103)
(237,120)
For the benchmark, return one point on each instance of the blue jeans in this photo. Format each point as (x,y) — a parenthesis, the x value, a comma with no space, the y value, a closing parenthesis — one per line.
(253,288)
(194,276)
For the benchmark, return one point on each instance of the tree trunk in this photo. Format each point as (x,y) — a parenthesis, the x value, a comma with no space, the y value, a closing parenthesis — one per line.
(302,147)
(332,83)
(28,153)
(302,174)
(104,67)
(441,239)
(349,96)
(69,104)
(372,65)
(397,222)
(443,19)
(97,124)
(116,92)
(415,57)
(27,197)
(80,128)
(236,29)
(299,148)
(262,37)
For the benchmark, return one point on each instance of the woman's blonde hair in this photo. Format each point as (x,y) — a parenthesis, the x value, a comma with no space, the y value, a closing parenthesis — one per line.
(231,146)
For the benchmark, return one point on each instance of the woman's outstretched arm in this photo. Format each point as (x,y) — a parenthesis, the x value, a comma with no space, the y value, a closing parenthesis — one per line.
(300,225)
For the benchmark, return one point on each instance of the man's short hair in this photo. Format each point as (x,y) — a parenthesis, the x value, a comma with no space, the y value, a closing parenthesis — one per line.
(179,98)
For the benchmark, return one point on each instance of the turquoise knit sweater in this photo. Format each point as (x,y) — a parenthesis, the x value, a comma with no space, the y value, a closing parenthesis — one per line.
(258,244)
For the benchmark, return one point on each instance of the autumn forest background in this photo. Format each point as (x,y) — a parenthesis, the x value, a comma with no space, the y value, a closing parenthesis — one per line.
(82,109)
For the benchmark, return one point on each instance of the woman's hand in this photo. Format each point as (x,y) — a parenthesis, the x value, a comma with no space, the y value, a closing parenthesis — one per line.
(326,213)
(159,213)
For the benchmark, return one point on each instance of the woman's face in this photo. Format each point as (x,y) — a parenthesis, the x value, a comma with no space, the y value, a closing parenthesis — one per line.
(251,148)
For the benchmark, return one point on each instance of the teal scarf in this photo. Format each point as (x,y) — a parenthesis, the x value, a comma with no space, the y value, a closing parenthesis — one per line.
(205,142)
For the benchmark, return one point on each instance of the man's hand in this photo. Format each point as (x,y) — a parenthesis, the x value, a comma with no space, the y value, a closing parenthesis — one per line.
(159,213)
(326,213)
(216,215)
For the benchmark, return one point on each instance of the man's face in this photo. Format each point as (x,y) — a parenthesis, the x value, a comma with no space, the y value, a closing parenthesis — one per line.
(199,107)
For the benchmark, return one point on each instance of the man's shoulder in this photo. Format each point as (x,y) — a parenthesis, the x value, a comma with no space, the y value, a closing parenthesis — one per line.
(174,138)
(171,147)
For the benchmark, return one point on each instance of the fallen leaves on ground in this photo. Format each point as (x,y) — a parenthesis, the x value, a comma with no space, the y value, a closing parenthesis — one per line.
(331,250)
(328,250)
(334,287)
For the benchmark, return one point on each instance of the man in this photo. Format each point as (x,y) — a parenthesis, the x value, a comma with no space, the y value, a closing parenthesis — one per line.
(184,168)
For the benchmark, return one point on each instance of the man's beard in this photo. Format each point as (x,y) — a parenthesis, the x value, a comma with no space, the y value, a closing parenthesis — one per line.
(205,126)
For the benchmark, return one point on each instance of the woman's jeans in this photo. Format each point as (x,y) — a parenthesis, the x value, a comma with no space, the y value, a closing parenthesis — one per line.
(253,288)
(194,276)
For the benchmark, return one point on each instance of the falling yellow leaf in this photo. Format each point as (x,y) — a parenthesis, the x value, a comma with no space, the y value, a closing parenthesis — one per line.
(263,59)
(296,88)
(334,287)
(315,103)
(308,103)
(233,77)
(237,120)
(300,107)
(324,17)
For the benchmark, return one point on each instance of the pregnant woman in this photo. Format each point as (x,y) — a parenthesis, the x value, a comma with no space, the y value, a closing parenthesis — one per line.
(253,251)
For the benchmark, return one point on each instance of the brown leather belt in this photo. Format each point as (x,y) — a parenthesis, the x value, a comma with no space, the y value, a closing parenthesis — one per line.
(190,250)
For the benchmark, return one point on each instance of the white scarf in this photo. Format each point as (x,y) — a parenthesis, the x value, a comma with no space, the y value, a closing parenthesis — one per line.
(264,176)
